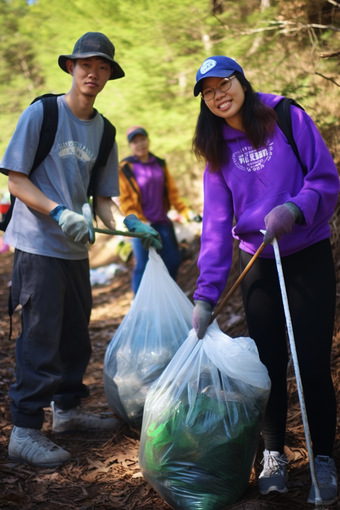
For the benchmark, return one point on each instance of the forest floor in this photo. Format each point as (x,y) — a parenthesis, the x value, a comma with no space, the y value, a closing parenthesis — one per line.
(103,472)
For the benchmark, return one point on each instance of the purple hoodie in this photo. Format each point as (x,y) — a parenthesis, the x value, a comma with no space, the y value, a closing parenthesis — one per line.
(255,181)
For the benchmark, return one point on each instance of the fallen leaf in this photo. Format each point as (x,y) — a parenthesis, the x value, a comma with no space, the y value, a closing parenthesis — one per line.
(137,475)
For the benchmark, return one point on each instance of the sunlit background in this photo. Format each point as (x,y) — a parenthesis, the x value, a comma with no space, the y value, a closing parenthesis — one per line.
(160,45)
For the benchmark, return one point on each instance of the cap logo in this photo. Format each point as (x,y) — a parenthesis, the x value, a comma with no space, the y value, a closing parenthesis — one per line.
(207,65)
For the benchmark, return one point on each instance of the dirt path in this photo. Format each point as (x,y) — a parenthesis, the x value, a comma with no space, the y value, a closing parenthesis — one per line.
(104,471)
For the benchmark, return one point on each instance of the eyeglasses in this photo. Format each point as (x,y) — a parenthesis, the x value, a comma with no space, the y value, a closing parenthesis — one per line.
(223,86)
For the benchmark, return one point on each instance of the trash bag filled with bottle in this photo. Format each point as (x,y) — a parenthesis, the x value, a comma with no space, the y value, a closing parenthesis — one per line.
(202,421)
(156,325)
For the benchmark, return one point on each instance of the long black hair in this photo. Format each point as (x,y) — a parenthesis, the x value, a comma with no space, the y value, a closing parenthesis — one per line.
(258,120)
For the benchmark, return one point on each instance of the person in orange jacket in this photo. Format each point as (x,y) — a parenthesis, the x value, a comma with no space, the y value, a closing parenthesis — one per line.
(148,191)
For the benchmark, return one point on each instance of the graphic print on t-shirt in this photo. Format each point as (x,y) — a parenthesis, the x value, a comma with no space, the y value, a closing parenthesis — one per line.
(77,149)
(249,159)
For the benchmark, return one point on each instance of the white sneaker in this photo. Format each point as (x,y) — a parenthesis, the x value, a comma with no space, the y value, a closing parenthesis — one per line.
(274,474)
(74,420)
(326,475)
(31,446)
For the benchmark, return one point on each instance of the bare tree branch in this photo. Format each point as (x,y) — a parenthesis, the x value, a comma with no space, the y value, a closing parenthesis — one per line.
(295,27)
(327,78)
(220,21)
(282,27)
(329,55)
(325,27)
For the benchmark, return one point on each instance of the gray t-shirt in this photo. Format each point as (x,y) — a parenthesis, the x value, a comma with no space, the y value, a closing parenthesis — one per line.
(63,177)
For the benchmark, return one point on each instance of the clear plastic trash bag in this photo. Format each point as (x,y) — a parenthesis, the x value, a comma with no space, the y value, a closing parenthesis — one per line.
(202,421)
(156,325)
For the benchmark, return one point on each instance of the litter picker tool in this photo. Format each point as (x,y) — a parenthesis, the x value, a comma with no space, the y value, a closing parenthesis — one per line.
(237,283)
(318,500)
(118,232)
(87,213)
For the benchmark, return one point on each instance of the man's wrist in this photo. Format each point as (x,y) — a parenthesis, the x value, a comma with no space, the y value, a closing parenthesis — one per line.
(57,212)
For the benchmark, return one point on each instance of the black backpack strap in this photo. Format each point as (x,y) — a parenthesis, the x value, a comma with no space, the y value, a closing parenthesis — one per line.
(106,145)
(130,159)
(6,217)
(48,128)
(160,161)
(285,124)
(130,175)
(47,135)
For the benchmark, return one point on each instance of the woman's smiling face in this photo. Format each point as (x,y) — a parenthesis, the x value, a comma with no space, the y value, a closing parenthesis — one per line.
(139,146)
(227,105)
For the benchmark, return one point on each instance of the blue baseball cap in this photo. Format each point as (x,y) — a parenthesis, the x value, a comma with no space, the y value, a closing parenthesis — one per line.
(217,66)
(135,130)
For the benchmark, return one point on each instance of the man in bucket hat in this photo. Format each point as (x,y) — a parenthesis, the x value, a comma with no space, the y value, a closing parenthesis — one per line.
(94,44)
(51,268)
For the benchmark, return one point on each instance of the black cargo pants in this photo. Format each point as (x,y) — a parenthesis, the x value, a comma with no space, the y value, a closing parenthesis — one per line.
(54,348)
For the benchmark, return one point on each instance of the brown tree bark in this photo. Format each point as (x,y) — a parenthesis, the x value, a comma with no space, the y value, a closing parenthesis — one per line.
(264,4)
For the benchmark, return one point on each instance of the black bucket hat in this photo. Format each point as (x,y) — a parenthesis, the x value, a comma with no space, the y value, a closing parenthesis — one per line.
(94,44)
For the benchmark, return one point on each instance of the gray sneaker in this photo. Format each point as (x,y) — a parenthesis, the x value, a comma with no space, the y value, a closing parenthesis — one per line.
(327,478)
(32,447)
(274,474)
(75,420)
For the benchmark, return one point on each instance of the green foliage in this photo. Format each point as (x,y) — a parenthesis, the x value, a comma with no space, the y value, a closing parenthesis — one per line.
(160,47)
(19,67)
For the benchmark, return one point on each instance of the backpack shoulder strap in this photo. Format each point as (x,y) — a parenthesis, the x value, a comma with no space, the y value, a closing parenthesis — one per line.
(127,169)
(285,124)
(130,159)
(160,161)
(48,128)
(130,174)
(106,145)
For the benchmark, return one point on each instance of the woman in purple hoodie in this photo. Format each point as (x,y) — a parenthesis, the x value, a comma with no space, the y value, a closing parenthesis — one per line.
(148,191)
(254,180)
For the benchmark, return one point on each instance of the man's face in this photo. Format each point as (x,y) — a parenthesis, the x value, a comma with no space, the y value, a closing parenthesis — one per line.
(89,74)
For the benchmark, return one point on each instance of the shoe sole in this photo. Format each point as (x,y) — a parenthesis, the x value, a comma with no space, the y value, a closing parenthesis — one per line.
(35,464)
(329,502)
(272,489)
(77,431)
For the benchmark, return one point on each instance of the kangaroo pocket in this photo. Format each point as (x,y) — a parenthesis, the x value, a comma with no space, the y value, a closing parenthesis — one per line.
(252,220)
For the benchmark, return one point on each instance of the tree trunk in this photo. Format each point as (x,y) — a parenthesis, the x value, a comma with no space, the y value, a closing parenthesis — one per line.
(264,4)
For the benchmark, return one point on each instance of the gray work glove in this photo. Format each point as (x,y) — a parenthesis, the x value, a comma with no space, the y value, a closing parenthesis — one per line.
(201,317)
(151,237)
(74,225)
(280,221)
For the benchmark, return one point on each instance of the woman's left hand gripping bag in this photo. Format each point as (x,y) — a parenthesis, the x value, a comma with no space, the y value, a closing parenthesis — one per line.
(202,421)
(156,325)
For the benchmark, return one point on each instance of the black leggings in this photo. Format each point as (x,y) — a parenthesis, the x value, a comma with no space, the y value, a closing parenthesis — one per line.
(311,288)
